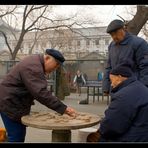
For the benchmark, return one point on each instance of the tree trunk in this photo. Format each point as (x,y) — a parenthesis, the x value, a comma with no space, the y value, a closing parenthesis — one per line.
(18,46)
(138,21)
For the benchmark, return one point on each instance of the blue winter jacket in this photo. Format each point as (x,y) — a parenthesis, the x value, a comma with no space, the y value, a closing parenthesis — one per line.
(132,48)
(126,119)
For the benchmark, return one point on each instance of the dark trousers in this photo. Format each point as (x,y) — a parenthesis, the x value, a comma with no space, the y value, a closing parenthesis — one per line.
(16,131)
(79,85)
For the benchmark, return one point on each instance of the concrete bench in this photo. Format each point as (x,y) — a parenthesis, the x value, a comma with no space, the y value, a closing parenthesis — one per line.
(84,132)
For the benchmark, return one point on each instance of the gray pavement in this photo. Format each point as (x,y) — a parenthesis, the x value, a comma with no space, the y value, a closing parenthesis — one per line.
(35,135)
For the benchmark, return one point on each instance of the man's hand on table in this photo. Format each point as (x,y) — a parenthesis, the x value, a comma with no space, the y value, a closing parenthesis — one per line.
(105,93)
(70,111)
(94,137)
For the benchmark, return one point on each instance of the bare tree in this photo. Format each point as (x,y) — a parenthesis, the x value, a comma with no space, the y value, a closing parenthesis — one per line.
(37,37)
(61,39)
(6,10)
(139,20)
(38,18)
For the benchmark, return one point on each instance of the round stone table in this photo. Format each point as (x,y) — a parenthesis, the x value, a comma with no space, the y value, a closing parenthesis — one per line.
(61,125)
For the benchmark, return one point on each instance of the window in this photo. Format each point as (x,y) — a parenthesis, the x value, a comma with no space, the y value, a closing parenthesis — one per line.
(69,43)
(107,42)
(37,45)
(97,42)
(43,44)
(78,43)
(29,45)
(87,42)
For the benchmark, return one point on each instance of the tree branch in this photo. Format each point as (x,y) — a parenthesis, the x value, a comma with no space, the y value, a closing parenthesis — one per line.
(140,18)
(59,26)
(59,20)
(6,40)
(37,18)
(8,12)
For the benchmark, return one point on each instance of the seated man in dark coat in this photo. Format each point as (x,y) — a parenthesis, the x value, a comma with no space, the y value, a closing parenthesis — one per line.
(126,118)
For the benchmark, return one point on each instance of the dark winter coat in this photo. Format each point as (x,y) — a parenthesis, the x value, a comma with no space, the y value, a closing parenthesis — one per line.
(24,83)
(126,119)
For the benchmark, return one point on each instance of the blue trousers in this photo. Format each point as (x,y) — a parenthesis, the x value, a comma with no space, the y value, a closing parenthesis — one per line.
(16,131)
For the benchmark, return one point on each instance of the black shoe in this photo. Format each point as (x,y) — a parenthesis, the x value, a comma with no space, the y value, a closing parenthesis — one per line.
(83,102)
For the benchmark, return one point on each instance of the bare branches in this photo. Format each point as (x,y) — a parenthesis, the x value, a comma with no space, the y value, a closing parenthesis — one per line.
(40,16)
(6,40)
(36,38)
(60,20)
(7,12)
(139,19)
(38,19)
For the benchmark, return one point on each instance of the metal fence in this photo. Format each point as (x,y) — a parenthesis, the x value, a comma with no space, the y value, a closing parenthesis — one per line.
(5,67)
(89,68)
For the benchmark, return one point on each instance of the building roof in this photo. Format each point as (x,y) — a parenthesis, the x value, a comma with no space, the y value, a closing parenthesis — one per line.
(94,55)
(78,32)
(91,31)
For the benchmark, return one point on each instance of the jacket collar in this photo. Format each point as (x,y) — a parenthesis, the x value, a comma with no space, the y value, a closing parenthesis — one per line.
(41,57)
(125,40)
(124,84)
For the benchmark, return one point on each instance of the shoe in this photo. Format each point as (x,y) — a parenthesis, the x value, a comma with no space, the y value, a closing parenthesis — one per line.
(83,102)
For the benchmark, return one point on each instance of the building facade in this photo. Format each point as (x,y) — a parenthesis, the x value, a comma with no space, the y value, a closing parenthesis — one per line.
(73,44)
(79,42)
(82,40)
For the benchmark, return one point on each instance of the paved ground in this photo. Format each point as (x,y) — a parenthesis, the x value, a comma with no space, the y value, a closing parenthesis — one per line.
(35,135)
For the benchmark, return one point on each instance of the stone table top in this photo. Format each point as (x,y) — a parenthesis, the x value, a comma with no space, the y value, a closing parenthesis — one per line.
(55,121)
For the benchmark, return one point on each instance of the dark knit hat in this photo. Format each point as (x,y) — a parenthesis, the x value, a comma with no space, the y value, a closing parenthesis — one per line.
(124,70)
(56,54)
(114,25)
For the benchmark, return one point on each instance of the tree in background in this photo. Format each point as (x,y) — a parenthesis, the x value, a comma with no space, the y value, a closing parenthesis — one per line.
(38,18)
(139,20)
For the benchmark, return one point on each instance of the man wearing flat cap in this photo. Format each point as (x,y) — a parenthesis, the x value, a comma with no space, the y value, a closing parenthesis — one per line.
(126,46)
(126,117)
(25,82)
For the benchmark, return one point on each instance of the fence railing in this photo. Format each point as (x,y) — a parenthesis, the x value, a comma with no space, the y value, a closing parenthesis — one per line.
(89,67)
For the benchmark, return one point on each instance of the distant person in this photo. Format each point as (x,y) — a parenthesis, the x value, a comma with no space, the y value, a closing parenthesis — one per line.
(25,83)
(85,76)
(79,81)
(100,76)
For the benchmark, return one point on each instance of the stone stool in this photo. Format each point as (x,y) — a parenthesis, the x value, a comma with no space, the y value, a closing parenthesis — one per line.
(84,132)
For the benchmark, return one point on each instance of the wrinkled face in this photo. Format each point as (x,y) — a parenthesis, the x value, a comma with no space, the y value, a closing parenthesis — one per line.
(50,64)
(118,35)
(116,80)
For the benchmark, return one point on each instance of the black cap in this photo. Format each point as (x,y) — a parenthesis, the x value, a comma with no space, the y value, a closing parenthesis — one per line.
(114,25)
(124,69)
(56,54)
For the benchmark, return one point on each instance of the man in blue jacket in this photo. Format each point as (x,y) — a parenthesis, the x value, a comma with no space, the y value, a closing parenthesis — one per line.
(126,118)
(126,46)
